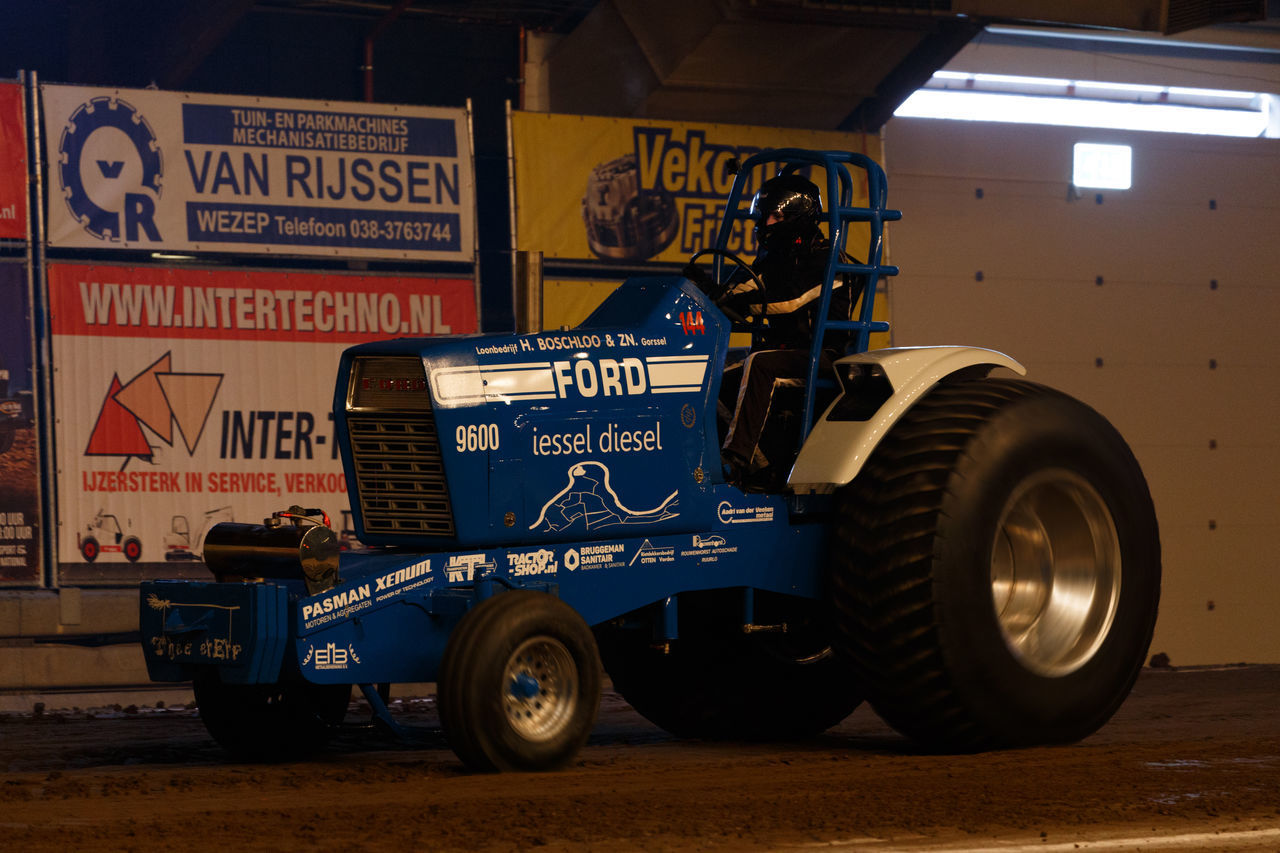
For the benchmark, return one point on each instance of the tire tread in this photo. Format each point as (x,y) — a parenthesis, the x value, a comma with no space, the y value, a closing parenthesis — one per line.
(883,588)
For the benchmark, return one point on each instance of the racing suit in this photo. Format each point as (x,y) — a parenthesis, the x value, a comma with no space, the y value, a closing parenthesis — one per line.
(757,455)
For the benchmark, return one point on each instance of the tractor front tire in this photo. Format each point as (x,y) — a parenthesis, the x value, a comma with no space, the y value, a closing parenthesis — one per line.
(269,722)
(999,569)
(519,683)
(718,683)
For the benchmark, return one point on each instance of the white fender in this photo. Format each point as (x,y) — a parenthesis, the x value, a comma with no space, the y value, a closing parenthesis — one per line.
(835,451)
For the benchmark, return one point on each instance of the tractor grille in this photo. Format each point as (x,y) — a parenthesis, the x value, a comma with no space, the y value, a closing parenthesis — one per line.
(400,475)
(399,470)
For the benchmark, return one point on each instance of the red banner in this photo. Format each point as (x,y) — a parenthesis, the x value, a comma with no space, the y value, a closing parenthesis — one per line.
(115,301)
(13,164)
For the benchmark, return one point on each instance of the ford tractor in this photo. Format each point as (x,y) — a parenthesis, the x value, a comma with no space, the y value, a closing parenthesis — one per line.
(973,554)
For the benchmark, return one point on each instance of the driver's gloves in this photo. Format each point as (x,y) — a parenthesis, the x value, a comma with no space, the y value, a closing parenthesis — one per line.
(742,303)
(698,275)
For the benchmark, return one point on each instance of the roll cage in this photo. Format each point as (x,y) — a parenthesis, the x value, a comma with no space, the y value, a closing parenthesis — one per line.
(838,215)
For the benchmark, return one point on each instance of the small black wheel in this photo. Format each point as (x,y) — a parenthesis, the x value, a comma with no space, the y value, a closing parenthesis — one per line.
(999,568)
(89,549)
(718,683)
(269,722)
(519,683)
(132,549)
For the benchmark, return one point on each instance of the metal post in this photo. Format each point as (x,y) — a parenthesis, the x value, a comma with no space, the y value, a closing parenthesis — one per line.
(43,365)
(475,219)
(511,218)
(528,296)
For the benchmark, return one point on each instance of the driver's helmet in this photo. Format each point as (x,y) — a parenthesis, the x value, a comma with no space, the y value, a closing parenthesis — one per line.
(798,205)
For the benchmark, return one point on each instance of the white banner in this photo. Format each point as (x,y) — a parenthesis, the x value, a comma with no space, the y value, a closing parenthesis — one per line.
(188,172)
(189,397)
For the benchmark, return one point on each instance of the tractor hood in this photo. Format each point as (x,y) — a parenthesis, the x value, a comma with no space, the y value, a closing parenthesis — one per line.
(537,437)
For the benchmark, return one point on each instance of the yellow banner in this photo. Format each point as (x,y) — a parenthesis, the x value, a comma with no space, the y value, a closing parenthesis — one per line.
(567,302)
(637,190)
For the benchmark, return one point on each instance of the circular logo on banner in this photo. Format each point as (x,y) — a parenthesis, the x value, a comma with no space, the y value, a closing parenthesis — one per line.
(625,222)
(110,167)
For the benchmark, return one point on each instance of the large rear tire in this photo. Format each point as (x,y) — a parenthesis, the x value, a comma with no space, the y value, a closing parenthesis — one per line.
(269,722)
(998,568)
(717,683)
(519,683)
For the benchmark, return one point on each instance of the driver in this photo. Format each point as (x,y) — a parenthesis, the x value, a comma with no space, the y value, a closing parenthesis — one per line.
(791,262)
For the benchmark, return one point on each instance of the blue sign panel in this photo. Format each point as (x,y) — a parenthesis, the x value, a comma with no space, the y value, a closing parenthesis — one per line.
(186,172)
(19,448)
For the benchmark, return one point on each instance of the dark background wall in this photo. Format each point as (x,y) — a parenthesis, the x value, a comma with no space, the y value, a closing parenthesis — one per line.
(286,53)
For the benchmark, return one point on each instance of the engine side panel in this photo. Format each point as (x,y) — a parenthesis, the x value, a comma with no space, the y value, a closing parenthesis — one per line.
(604,430)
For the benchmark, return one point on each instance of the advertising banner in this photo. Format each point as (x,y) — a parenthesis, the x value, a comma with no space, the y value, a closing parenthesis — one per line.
(13,163)
(187,172)
(19,450)
(190,397)
(632,190)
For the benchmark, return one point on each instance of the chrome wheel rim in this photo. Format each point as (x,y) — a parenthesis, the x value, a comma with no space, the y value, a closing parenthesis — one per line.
(540,688)
(1055,572)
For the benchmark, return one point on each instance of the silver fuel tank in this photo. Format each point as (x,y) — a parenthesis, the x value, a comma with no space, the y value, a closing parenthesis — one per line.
(301,549)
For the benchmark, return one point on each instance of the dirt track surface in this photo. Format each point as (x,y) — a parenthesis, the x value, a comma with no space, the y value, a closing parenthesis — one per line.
(1192,755)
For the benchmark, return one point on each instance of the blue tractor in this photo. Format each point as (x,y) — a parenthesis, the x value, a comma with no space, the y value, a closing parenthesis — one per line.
(975,556)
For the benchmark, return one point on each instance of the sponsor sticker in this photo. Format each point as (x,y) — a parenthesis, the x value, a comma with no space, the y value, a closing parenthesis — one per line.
(591,557)
(730,514)
(574,342)
(609,438)
(400,581)
(540,562)
(708,549)
(650,555)
(331,656)
(462,568)
(337,605)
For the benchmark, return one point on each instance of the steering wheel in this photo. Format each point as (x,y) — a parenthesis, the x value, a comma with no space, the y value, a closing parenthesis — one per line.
(715,289)
(709,284)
